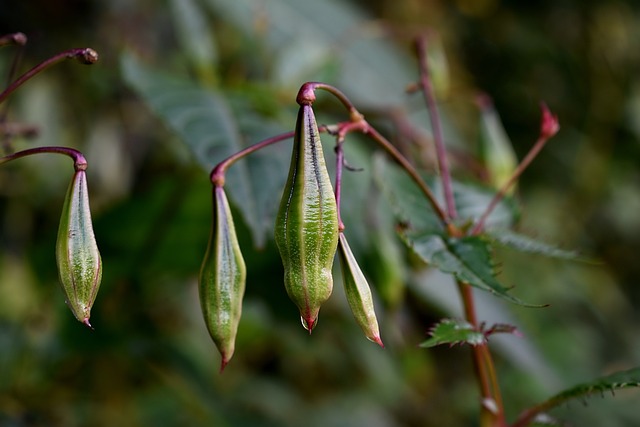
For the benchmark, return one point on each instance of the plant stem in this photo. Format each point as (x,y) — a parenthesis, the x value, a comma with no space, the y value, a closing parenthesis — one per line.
(79,162)
(306,94)
(84,55)
(217,174)
(434,117)
(483,365)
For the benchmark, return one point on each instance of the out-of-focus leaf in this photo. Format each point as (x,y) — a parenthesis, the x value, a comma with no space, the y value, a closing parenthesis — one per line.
(407,201)
(496,149)
(527,244)
(609,383)
(195,36)
(369,66)
(454,331)
(468,259)
(205,122)
(411,207)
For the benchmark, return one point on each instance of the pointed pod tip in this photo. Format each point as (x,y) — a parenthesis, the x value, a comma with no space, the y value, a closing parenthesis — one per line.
(223,364)
(86,322)
(376,339)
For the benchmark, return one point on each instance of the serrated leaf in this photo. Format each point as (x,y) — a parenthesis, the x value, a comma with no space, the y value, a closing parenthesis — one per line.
(527,244)
(206,123)
(454,331)
(609,383)
(468,259)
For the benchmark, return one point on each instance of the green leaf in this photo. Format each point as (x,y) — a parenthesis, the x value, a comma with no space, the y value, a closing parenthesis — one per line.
(405,198)
(412,209)
(195,36)
(374,71)
(527,244)
(609,383)
(206,123)
(468,259)
(454,331)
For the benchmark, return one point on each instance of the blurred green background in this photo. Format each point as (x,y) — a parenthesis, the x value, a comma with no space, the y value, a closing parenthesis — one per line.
(150,360)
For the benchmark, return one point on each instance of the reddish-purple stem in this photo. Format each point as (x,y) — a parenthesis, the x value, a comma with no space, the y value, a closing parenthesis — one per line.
(217,174)
(79,162)
(84,55)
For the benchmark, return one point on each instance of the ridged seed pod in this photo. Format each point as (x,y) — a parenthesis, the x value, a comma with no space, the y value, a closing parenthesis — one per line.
(77,255)
(222,279)
(306,229)
(358,293)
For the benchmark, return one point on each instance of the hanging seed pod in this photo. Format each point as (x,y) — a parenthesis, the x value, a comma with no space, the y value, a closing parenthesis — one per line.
(306,229)
(77,255)
(358,293)
(222,279)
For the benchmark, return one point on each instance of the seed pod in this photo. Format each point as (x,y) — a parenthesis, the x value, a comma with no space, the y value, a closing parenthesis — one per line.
(358,292)
(496,149)
(77,255)
(306,229)
(222,279)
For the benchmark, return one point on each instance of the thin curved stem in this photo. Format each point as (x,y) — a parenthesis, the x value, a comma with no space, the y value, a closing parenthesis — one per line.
(84,55)
(306,94)
(79,161)
(217,174)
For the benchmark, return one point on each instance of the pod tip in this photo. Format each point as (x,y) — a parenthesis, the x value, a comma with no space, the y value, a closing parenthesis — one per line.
(376,339)
(223,363)
(86,322)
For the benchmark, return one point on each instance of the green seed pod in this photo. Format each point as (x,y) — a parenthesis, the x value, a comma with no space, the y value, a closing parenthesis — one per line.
(306,229)
(358,292)
(77,255)
(222,279)
(496,149)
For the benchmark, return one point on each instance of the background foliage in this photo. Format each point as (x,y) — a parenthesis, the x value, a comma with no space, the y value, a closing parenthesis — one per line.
(239,64)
